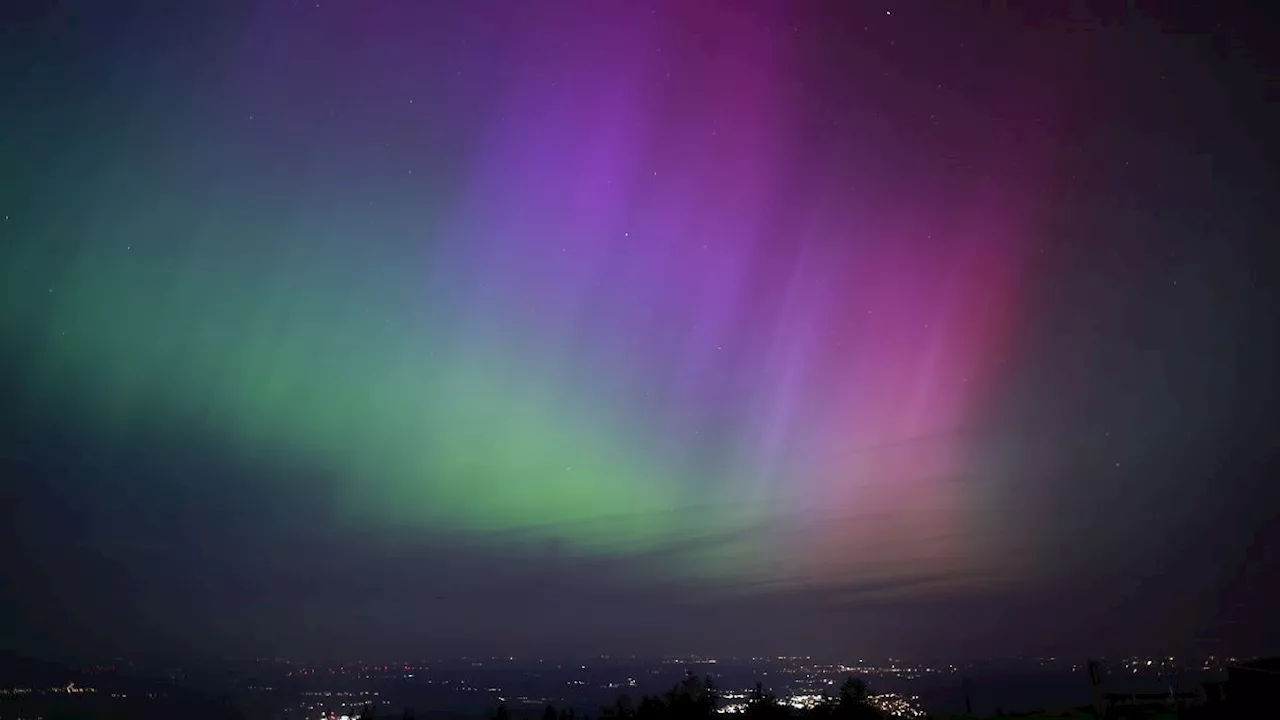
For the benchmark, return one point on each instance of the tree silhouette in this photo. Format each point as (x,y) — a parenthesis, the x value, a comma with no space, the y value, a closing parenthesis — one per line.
(763,705)
(621,708)
(693,699)
(854,702)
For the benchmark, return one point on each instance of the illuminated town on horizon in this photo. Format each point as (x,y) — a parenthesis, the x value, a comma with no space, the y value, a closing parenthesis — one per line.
(472,686)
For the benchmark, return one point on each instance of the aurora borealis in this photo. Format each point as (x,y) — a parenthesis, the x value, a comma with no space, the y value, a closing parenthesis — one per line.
(758,281)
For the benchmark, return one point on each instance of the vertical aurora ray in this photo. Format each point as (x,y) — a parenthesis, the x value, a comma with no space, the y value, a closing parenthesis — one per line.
(640,314)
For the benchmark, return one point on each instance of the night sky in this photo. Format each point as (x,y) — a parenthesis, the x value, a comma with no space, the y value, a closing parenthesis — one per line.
(417,328)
